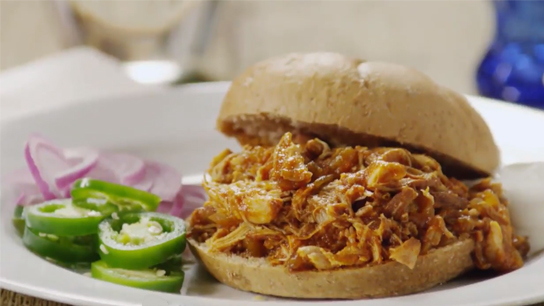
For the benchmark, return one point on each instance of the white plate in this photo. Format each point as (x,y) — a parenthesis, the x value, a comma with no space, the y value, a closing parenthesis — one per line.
(177,127)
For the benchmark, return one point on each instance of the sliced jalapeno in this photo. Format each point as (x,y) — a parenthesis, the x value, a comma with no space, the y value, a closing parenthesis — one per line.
(18,220)
(140,240)
(64,249)
(108,197)
(173,264)
(150,279)
(60,217)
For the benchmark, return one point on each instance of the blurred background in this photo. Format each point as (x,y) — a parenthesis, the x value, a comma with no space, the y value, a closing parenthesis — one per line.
(491,48)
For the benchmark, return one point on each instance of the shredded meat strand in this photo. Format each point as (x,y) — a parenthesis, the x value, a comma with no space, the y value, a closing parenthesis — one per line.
(311,207)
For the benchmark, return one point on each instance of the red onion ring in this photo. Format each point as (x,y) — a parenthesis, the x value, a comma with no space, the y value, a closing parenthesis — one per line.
(177,205)
(32,155)
(81,166)
(20,188)
(162,180)
(52,171)
(129,169)
(194,197)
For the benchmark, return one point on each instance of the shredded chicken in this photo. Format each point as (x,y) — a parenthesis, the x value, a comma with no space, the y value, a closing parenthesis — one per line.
(407,252)
(311,207)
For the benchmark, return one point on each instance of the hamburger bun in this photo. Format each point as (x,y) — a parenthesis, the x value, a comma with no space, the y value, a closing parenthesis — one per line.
(383,280)
(344,102)
(347,101)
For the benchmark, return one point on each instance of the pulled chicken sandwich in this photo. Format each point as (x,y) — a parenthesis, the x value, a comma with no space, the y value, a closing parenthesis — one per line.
(349,185)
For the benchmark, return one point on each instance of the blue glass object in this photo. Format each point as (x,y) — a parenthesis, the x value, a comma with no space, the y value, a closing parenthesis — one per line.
(513,68)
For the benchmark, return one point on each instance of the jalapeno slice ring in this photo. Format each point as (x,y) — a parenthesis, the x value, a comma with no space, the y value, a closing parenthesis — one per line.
(150,279)
(140,240)
(64,249)
(60,217)
(109,197)
(18,220)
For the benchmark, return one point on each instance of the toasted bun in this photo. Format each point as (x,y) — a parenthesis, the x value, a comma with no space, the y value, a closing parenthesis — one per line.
(347,101)
(382,280)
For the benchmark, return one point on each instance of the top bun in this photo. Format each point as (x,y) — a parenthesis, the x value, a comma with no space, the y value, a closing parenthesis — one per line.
(347,101)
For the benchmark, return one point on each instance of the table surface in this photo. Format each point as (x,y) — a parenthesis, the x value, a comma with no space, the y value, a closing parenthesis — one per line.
(10,298)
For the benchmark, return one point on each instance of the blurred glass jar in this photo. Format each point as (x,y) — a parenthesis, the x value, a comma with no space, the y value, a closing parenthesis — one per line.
(513,68)
(159,42)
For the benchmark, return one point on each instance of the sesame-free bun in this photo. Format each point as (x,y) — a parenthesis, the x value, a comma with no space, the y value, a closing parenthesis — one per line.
(347,101)
(381,280)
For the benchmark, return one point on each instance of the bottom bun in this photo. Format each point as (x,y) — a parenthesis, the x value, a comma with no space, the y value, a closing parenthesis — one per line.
(382,280)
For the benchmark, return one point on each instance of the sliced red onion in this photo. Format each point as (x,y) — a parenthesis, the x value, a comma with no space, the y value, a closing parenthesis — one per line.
(20,188)
(80,166)
(194,197)
(97,173)
(160,179)
(44,159)
(186,201)
(27,194)
(178,204)
(195,191)
(20,199)
(52,171)
(167,182)
(187,209)
(129,169)
(29,199)
(165,207)
(147,181)
(65,193)
(103,174)
(110,167)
